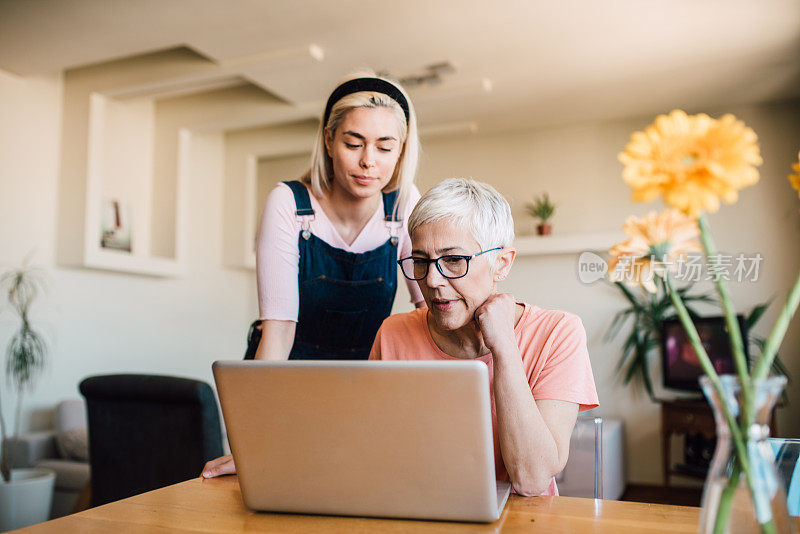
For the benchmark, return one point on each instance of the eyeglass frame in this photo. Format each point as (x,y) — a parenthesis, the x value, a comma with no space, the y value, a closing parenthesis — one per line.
(435,261)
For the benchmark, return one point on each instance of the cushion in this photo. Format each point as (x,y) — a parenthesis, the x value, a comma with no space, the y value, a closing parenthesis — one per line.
(70,414)
(70,475)
(73,444)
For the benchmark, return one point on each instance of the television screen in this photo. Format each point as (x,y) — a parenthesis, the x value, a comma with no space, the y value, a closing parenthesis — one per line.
(679,360)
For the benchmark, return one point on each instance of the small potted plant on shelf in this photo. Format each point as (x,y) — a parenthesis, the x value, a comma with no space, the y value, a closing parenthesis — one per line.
(542,209)
(25,494)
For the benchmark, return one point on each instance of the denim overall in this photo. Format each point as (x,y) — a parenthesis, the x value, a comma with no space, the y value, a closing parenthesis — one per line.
(344,296)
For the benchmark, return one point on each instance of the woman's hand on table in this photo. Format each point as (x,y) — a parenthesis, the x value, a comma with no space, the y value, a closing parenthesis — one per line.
(220,466)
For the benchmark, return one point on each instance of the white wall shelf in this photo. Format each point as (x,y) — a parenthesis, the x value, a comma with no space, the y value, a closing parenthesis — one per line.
(119,261)
(532,245)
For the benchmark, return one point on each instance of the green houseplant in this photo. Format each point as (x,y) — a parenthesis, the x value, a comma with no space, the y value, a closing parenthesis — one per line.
(25,494)
(542,208)
(644,314)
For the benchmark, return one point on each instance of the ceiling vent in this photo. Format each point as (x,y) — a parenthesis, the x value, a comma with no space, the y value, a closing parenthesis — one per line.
(431,75)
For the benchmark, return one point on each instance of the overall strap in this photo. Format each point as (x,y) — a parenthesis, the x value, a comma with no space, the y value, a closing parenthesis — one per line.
(388,206)
(301,199)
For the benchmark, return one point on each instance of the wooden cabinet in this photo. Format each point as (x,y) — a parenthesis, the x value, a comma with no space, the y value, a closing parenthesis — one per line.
(689,417)
(683,417)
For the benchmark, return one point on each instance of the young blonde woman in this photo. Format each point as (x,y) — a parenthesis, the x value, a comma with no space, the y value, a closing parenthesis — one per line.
(328,243)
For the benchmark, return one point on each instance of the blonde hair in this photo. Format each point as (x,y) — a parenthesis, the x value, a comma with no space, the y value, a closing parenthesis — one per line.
(320,174)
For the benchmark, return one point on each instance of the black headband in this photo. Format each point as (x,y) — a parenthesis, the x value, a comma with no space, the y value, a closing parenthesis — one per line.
(365,84)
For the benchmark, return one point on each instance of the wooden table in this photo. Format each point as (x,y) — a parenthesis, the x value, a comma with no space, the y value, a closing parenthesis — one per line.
(216,506)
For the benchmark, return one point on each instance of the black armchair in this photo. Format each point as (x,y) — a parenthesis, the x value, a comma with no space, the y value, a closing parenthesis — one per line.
(147,431)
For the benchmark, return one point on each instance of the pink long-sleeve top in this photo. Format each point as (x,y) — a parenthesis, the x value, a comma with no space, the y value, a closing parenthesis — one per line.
(278,256)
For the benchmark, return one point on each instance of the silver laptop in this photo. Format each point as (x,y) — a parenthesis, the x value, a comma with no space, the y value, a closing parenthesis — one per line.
(382,439)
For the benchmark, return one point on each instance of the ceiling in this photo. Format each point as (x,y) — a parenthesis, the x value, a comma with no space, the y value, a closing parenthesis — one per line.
(546,62)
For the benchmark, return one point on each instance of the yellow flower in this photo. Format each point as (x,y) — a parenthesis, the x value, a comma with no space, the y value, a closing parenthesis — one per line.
(693,161)
(655,243)
(794,179)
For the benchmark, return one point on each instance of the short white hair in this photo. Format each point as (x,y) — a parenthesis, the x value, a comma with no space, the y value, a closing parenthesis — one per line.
(474,206)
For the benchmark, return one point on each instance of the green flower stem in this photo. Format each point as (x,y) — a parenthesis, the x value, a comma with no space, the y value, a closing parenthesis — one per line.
(732,322)
(708,368)
(726,501)
(775,338)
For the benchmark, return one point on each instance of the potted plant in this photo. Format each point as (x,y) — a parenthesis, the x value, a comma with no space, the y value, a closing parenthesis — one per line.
(645,313)
(25,494)
(542,209)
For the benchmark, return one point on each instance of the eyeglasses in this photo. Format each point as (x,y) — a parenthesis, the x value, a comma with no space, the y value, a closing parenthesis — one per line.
(450,266)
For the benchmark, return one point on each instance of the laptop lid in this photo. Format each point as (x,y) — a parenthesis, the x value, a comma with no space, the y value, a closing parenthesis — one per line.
(386,439)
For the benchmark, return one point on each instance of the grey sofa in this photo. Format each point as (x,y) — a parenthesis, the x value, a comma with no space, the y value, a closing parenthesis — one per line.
(47,449)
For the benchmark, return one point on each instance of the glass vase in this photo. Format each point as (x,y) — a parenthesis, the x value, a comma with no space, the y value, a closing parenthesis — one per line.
(732,503)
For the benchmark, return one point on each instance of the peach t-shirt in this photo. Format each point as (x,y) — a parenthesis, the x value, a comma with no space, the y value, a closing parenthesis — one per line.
(554,356)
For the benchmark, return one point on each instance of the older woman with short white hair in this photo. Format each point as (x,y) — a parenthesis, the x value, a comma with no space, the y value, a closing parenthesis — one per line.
(462,237)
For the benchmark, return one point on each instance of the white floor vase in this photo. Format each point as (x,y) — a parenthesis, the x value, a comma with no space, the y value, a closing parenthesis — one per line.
(26,499)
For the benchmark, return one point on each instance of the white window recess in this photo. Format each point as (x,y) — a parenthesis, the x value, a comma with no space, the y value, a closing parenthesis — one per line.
(141,259)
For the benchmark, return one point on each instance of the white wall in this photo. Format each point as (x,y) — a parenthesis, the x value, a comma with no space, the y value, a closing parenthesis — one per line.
(99,322)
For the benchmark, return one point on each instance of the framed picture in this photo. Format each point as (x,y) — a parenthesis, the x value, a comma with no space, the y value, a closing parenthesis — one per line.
(116,226)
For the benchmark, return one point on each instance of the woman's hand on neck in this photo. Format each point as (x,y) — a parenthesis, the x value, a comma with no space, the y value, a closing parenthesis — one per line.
(468,342)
